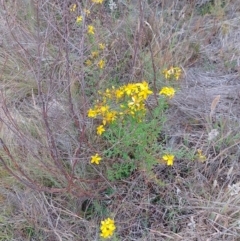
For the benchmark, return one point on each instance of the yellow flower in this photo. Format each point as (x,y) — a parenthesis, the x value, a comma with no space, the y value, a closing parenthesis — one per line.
(167,73)
(144,90)
(119,93)
(104,109)
(97,1)
(79,19)
(73,7)
(135,104)
(94,54)
(108,93)
(86,11)
(88,62)
(177,73)
(92,113)
(201,157)
(169,159)
(107,228)
(91,29)
(168,91)
(100,130)
(96,159)
(101,46)
(101,64)
(131,89)
(173,72)
(109,117)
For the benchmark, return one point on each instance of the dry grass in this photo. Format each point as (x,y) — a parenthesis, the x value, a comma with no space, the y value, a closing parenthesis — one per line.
(48,190)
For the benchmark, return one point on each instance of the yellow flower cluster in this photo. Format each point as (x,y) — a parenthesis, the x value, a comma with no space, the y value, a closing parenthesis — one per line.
(86,11)
(104,111)
(91,30)
(167,91)
(201,157)
(100,130)
(73,7)
(101,46)
(94,55)
(88,62)
(107,228)
(101,64)
(168,158)
(79,19)
(126,100)
(97,1)
(172,73)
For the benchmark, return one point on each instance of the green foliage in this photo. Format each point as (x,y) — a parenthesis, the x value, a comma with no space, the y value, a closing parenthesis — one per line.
(29,231)
(226,137)
(211,7)
(230,64)
(120,171)
(205,8)
(93,208)
(134,143)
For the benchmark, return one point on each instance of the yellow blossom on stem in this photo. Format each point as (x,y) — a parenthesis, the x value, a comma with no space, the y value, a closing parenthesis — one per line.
(109,93)
(169,159)
(101,64)
(119,93)
(91,30)
(167,73)
(92,113)
(79,19)
(96,159)
(100,130)
(131,89)
(144,90)
(88,62)
(97,1)
(109,117)
(177,73)
(94,54)
(101,46)
(200,156)
(135,104)
(86,11)
(173,72)
(73,7)
(107,228)
(168,91)
(129,101)
(104,109)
